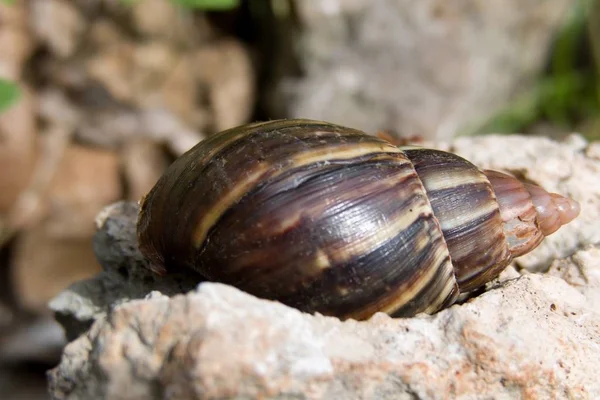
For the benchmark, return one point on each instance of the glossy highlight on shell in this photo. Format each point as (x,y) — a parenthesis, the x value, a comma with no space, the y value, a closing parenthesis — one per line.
(329,219)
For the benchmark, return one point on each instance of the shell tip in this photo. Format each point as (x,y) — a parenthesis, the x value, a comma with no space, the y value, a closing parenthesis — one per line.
(568,208)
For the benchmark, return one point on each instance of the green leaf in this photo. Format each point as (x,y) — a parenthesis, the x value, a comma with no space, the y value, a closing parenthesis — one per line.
(215,5)
(9,94)
(9,2)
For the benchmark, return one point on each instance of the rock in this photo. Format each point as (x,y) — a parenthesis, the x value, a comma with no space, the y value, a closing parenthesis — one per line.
(164,19)
(153,75)
(54,106)
(145,61)
(58,24)
(156,17)
(56,248)
(582,272)
(432,68)
(593,151)
(228,72)
(528,335)
(116,69)
(218,342)
(16,44)
(18,128)
(87,180)
(43,265)
(143,163)
(126,273)
(179,90)
(18,149)
(116,128)
(34,202)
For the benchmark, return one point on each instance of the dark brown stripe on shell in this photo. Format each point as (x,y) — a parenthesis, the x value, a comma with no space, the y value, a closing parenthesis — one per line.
(464,203)
(347,240)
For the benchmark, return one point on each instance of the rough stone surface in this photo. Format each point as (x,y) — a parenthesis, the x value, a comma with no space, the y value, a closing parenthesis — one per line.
(535,337)
(143,163)
(534,333)
(434,68)
(59,24)
(582,271)
(17,152)
(125,276)
(146,77)
(45,264)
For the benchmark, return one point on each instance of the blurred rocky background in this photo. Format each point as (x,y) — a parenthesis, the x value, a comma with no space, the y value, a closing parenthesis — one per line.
(98,96)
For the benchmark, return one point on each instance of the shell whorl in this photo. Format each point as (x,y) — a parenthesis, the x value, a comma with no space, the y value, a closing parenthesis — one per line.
(464,203)
(529,212)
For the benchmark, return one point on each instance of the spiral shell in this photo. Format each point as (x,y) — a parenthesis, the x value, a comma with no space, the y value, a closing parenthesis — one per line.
(330,219)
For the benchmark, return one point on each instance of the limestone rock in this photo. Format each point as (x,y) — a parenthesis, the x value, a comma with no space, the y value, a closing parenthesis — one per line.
(143,163)
(581,271)
(18,149)
(433,68)
(58,24)
(529,335)
(146,61)
(16,44)
(228,69)
(535,337)
(45,264)
(126,274)
(87,180)
(56,250)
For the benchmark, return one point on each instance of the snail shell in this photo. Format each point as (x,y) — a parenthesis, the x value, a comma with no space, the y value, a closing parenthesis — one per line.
(330,219)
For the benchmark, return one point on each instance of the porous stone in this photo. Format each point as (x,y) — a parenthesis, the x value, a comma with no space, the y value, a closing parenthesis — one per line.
(146,77)
(16,44)
(18,149)
(44,264)
(531,334)
(143,163)
(58,24)
(581,271)
(534,337)
(126,274)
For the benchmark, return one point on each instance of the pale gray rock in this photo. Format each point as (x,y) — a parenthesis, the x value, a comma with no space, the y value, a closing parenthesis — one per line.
(433,67)
(534,337)
(582,271)
(58,24)
(126,274)
(534,333)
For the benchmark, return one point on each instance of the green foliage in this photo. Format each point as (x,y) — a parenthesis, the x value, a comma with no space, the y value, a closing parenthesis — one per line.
(9,2)
(9,94)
